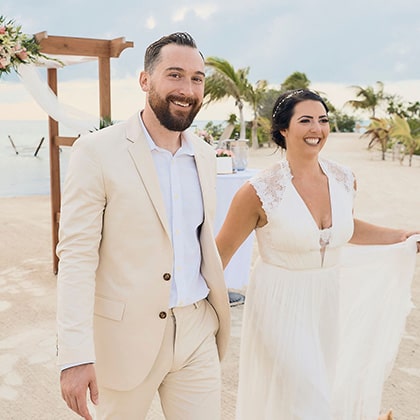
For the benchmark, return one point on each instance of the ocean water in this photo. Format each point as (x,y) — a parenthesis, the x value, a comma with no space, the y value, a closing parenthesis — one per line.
(22,173)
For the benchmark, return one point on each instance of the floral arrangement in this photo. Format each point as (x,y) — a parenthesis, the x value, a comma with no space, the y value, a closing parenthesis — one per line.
(15,47)
(205,135)
(223,153)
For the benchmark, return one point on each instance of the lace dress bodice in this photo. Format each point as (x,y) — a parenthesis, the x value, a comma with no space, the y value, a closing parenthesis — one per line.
(291,238)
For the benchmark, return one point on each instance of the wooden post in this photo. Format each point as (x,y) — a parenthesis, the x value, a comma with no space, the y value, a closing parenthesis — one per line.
(101,49)
(104,87)
(55,189)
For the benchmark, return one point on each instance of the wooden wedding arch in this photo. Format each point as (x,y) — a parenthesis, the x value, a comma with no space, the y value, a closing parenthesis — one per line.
(101,49)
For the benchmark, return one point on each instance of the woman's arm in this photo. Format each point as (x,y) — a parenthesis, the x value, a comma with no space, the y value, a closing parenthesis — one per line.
(244,215)
(370,234)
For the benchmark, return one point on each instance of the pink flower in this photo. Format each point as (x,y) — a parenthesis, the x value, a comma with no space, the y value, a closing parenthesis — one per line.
(2,30)
(4,62)
(223,153)
(22,54)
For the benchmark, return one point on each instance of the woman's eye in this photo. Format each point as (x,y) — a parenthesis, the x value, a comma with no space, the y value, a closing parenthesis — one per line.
(305,121)
(324,121)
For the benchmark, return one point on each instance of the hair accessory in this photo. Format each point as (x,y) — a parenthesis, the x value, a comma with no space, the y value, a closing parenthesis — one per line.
(295,92)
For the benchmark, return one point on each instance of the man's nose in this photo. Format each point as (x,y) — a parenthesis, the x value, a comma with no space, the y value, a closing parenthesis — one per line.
(187,87)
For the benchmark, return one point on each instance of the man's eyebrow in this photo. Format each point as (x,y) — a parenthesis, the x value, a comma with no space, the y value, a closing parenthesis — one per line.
(174,68)
(201,73)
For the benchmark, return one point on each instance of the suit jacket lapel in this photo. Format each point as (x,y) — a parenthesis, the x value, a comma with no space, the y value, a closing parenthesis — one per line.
(140,153)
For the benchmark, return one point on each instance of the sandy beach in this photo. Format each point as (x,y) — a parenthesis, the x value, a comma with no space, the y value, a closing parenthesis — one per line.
(388,194)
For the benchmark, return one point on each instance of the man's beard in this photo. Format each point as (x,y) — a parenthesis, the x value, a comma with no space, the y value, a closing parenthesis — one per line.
(177,121)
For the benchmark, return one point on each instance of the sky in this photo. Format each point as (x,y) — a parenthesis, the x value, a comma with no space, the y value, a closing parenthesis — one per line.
(336,43)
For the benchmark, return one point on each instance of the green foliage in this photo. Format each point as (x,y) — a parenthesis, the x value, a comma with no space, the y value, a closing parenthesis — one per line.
(263,131)
(296,80)
(233,119)
(267,103)
(342,123)
(215,130)
(401,130)
(224,82)
(406,110)
(414,125)
(105,122)
(15,47)
(369,98)
(379,132)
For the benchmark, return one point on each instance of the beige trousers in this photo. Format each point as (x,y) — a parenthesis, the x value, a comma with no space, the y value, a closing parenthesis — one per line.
(186,373)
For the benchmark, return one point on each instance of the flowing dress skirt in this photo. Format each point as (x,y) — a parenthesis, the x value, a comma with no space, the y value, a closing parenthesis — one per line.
(320,343)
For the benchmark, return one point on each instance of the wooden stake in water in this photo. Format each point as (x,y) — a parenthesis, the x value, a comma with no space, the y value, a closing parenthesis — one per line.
(39,146)
(13,145)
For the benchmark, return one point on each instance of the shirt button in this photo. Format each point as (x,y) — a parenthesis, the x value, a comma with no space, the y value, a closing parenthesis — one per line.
(162,315)
(166,276)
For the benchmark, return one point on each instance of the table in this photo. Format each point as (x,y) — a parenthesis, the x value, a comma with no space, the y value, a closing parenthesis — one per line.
(238,270)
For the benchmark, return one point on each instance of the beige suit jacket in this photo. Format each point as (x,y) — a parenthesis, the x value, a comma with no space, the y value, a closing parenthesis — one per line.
(116,255)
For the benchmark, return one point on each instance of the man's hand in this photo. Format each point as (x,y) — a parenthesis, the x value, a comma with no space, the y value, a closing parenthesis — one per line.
(75,382)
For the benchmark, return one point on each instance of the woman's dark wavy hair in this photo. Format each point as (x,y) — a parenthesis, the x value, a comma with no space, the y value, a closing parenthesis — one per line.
(284,108)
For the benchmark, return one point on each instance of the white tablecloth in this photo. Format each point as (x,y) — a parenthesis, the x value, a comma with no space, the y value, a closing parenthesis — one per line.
(238,270)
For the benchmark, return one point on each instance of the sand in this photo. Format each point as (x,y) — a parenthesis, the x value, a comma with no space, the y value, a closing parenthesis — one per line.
(388,194)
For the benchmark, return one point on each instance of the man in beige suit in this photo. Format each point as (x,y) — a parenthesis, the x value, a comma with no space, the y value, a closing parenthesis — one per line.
(142,304)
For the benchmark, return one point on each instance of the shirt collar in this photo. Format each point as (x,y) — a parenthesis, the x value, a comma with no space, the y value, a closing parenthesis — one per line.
(186,146)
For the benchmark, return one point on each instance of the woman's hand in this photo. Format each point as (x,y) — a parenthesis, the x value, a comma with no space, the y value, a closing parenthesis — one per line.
(408,234)
(370,234)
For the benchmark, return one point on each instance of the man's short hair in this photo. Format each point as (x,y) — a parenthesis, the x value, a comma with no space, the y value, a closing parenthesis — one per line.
(151,56)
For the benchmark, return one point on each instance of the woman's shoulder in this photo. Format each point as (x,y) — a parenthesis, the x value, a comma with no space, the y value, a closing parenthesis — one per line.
(270,183)
(341,173)
(278,172)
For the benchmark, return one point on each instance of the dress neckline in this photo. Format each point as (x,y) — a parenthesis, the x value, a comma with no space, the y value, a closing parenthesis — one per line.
(287,172)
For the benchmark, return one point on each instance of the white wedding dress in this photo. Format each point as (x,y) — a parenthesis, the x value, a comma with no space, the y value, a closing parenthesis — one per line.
(323,319)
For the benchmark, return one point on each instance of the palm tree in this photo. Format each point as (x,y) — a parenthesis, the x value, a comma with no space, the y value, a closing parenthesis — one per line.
(401,130)
(225,82)
(296,80)
(254,97)
(369,98)
(379,131)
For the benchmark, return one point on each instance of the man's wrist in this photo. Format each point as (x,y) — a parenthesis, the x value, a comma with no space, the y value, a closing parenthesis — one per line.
(70,365)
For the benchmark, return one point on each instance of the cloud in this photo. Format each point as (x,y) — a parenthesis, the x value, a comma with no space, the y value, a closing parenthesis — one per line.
(342,44)
(151,23)
(203,11)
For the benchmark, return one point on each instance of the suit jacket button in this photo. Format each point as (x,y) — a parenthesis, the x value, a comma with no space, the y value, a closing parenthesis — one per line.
(166,276)
(162,315)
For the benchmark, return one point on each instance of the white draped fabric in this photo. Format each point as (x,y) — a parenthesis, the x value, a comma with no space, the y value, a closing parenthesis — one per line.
(72,118)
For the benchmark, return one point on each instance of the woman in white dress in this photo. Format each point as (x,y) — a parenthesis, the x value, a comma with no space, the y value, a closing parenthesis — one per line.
(313,346)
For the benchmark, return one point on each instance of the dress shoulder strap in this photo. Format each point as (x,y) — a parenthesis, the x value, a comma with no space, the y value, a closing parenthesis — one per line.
(271,183)
(342,174)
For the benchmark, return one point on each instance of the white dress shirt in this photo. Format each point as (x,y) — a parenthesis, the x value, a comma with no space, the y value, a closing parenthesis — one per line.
(181,193)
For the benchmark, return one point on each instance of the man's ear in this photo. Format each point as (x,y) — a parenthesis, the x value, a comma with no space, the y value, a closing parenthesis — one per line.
(144,81)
